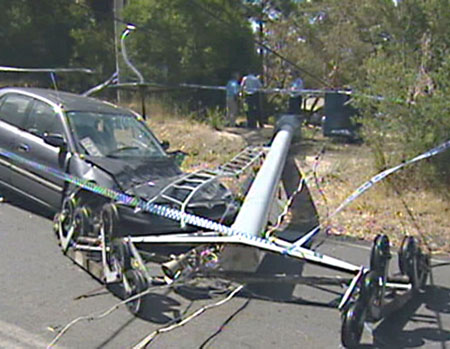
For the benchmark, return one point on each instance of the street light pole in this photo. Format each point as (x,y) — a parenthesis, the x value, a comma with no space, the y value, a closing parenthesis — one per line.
(117,13)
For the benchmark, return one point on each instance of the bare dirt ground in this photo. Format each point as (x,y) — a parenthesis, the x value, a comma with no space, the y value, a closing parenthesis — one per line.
(340,170)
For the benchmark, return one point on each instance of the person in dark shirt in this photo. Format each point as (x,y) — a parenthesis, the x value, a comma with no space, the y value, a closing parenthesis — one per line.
(295,98)
(250,87)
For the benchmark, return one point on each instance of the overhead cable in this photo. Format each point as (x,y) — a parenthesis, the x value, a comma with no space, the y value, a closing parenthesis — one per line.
(261,44)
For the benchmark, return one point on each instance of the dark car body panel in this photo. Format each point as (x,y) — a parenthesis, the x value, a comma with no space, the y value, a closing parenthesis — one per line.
(37,182)
(135,171)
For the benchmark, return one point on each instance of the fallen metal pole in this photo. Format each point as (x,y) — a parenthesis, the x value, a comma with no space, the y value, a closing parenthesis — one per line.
(253,215)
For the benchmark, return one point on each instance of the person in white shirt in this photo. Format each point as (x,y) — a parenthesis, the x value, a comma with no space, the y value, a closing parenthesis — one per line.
(251,86)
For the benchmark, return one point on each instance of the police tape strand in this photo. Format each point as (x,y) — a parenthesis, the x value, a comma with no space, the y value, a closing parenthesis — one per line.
(159,210)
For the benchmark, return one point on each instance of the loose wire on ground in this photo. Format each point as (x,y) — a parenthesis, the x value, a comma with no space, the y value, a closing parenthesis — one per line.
(93,316)
(107,312)
(317,160)
(148,339)
(225,323)
(302,182)
(411,216)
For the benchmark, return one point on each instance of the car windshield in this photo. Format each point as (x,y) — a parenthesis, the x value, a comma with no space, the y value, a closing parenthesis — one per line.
(113,135)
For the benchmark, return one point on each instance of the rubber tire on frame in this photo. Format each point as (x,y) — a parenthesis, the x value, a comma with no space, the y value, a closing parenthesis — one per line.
(352,325)
(403,253)
(138,284)
(373,292)
(380,254)
(109,219)
(413,263)
(121,251)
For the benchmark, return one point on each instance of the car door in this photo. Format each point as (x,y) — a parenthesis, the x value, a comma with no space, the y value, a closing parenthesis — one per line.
(38,182)
(5,145)
(13,111)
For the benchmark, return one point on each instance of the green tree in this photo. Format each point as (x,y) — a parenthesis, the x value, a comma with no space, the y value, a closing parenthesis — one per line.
(179,41)
(411,71)
(397,52)
(36,33)
(57,34)
(93,43)
(330,39)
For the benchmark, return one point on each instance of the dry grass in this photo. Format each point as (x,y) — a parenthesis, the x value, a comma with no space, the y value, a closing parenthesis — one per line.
(381,209)
(206,147)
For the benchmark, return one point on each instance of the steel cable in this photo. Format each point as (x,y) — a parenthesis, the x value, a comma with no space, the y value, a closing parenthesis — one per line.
(93,316)
(148,339)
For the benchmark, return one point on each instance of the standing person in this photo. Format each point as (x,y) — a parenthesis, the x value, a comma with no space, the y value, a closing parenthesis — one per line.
(250,86)
(295,99)
(232,91)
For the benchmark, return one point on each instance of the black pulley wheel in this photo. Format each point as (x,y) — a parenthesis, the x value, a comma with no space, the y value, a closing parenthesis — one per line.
(81,221)
(406,254)
(413,262)
(374,289)
(380,255)
(67,216)
(352,325)
(134,283)
(109,218)
(119,256)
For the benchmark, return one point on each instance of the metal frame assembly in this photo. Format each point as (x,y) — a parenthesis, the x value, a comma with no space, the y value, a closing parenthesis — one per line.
(236,251)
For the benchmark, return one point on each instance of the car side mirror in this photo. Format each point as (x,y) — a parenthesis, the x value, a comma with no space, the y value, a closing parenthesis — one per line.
(178,156)
(165,145)
(55,140)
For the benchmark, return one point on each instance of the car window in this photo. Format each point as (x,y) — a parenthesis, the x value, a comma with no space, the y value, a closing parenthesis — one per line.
(43,119)
(14,109)
(113,135)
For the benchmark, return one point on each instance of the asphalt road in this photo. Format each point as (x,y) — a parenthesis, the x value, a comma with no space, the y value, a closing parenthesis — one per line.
(40,293)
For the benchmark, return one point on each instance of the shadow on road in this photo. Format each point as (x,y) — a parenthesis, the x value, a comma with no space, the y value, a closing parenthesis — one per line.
(392,332)
(25,204)
(157,308)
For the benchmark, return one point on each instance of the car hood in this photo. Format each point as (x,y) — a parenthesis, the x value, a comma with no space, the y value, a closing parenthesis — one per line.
(147,177)
(132,172)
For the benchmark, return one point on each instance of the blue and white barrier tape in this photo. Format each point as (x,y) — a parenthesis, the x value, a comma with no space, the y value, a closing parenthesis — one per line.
(367,185)
(159,210)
